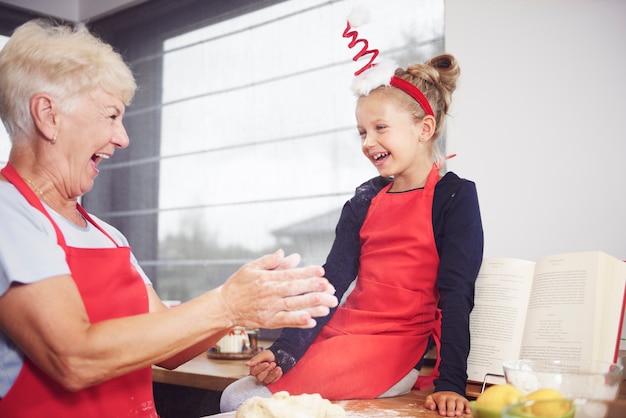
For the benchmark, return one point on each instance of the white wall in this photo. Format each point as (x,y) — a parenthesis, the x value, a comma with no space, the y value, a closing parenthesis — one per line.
(538,121)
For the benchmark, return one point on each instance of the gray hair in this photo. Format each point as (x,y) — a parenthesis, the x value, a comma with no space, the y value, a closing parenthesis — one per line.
(42,57)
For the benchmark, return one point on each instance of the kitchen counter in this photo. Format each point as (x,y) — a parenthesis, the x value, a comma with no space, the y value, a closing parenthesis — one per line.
(215,374)
(203,373)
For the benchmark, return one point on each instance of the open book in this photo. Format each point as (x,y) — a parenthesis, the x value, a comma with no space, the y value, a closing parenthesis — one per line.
(563,307)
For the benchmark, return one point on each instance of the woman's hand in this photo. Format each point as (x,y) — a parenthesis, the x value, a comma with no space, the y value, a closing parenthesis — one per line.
(263,366)
(450,404)
(271,293)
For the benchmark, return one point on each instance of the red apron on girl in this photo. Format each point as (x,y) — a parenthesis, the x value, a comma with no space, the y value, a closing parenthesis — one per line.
(110,288)
(382,331)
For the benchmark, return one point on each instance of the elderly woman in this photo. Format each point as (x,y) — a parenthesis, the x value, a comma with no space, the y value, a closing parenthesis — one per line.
(80,323)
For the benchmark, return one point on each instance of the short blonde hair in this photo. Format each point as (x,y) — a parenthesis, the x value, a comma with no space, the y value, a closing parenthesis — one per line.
(42,57)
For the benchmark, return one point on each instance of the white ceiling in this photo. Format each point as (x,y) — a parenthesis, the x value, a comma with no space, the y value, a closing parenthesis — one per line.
(74,10)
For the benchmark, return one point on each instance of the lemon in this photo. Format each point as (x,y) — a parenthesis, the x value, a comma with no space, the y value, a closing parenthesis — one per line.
(499,396)
(543,394)
(548,403)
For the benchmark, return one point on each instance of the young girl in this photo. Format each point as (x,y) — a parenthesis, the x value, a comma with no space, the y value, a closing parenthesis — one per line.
(413,241)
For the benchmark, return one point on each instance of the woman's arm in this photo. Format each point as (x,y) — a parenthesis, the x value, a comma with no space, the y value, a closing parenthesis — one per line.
(48,321)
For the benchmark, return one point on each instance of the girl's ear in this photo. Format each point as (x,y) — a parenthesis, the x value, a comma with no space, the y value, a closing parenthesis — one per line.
(43,112)
(428,128)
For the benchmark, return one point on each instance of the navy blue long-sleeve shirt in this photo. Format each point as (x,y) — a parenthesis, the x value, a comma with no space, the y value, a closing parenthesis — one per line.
(458,233)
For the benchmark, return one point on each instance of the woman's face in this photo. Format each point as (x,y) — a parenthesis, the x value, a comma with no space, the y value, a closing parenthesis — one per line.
(88,135)
(390,137)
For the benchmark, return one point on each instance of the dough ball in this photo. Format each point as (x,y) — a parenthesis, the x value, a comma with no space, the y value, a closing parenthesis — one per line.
(283,405)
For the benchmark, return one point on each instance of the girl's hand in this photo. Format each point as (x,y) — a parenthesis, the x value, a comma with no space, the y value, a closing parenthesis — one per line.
(263,366)
(450,404)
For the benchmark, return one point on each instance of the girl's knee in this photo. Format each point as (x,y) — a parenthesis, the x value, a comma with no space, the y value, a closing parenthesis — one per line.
(237,392)
(228,403)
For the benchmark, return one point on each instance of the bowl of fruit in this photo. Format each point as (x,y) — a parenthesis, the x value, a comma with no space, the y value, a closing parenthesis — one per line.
(505,400)
(588,380)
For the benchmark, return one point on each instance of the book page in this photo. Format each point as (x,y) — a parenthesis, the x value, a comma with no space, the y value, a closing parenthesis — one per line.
(497,320)
(609,325)
(565,316)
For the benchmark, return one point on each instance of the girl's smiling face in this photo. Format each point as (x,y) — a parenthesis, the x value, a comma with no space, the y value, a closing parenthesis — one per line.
(392,140)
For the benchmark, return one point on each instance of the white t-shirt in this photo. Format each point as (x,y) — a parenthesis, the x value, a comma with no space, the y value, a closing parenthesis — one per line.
(29,253)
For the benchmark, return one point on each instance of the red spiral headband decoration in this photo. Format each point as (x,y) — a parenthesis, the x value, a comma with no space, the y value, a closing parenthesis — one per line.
(349,33)
(391,79)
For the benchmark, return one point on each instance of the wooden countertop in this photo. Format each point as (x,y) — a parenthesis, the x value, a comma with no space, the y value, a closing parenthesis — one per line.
(412,406)
(203,373)
(406,406)
(409,405)
(212,374)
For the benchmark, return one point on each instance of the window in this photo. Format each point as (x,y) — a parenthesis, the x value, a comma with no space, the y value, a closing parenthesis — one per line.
(243,137)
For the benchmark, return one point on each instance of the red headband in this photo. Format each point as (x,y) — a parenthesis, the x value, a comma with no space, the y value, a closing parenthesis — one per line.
(410,89)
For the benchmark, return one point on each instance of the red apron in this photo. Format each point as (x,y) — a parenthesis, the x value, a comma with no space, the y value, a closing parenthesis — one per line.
(382,331)
(110,288)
